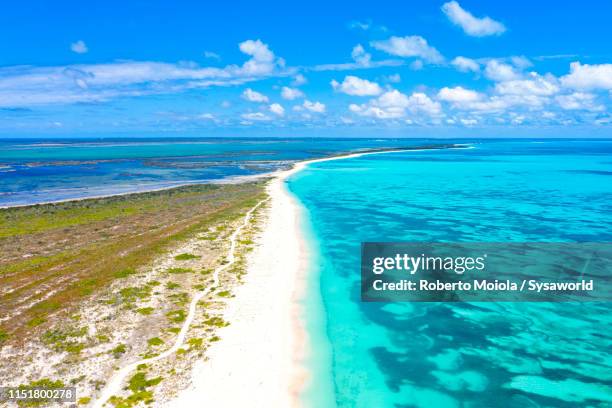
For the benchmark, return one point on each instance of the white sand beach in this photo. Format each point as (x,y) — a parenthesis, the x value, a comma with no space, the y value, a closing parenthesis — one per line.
(258,361)
(252,365)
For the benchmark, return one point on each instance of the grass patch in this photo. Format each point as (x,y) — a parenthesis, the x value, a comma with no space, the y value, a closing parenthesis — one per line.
(186,257)
(180,270)
(155,341)
(176,316)
(119,350)
(85,245)
(195,342)
(145,311)
(124,273)
(172,285)
(216,321)
(224,293)
(3,336)
(45,383)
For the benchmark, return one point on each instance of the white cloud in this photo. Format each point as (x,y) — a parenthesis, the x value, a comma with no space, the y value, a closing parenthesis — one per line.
(360,56)
(474,26)
(291,93)
(212,55)
(208,116)
(535,84)
(362,25)
(458,94)
(79,47)
(499,71)
(416,65)
(585,76)
(394,104)
(465,64)
(31,86)
(254,96)
(298,80)
(263,61)
(468,122)
(356,86)
(521,62)
(277,109)
(316,107)
(395,78)
(579,101)
(411,46)
(256,116)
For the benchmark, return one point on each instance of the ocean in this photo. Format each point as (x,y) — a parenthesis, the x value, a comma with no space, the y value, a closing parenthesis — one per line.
(37,170)
(455,354)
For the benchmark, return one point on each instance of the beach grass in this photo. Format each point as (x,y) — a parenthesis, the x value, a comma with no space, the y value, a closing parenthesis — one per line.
(56,255)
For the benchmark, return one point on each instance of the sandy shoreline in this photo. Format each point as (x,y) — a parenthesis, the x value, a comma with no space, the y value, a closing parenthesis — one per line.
(259,360)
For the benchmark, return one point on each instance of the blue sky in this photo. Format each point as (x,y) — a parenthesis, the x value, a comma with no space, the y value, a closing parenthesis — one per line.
(390,68)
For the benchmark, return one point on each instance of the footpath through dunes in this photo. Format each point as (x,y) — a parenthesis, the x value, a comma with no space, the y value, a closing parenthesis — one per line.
(91,285)
(114,384)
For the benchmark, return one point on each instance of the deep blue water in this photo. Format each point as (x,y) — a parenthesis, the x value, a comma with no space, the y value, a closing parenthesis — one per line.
(33,171)
(456,354)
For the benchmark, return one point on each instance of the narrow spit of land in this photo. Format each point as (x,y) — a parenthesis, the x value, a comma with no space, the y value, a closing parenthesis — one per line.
(91,285)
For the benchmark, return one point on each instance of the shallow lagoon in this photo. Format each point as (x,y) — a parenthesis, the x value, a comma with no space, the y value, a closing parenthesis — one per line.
(470,354)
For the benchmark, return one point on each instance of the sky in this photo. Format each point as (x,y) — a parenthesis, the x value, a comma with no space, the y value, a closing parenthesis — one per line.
(417,68)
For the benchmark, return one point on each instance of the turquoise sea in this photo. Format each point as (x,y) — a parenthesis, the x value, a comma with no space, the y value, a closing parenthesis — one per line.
(470,355)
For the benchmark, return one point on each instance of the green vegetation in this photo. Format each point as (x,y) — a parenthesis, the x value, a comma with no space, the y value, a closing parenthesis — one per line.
(82,246)
(124,273)
(139,385)
(195,343)
(119,350)
(145,311)
(155,341)
(83,400)
(176,316)
(216,321)
(43,383)
(186,257)
(64,339)
(224,293)
(180,270)
(172,285)
(3,336)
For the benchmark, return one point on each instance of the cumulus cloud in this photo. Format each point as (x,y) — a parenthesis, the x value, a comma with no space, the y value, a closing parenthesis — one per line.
(588,77)
(579,101)
(356,86)
(263,61)
(254,96)
(298,80)
(360,55)
(471,25)
(465,64)
(458,94)
(394,105)
(291,93)
(316,107)
(499,71)
(277,109)
(534,84)
(411,46)
(79,47)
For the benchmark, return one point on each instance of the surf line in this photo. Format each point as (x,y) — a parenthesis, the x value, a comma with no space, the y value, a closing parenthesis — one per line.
(117,379)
